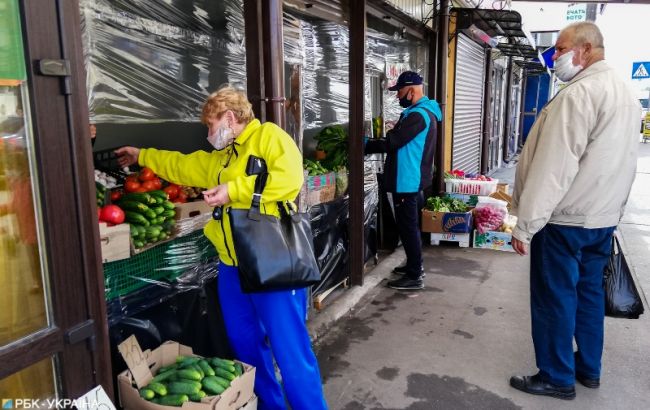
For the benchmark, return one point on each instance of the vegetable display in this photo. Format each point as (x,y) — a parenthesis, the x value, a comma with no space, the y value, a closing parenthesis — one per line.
(488,218)
(151,216)
(191,379)
(445,204)
(313,167)
(334,141)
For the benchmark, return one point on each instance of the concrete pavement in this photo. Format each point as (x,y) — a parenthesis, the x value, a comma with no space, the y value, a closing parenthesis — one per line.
(455,344)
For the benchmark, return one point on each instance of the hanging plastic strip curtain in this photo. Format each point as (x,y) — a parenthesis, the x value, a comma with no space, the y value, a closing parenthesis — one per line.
(156,60)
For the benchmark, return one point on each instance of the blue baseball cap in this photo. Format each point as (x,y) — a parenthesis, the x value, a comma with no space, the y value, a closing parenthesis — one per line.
(406,78)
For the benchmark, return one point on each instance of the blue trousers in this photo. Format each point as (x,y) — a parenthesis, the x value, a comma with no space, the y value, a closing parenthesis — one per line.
(567,300)
(262,326)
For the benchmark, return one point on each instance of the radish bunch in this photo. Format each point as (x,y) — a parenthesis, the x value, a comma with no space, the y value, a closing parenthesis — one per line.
(488,218)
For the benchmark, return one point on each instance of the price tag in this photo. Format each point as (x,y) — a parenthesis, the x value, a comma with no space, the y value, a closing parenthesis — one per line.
(136,360)
(96,399)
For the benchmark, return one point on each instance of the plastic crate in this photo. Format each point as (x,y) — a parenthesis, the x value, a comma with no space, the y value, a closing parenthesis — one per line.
(471,187)
(162,263)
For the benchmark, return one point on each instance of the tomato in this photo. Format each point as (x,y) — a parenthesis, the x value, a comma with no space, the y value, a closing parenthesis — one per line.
(157,182)
(141,189)
(132,177)
(171,191)
(146,174)
(149,186)
(131,186)
(116,195)
(112,214)
(182,196)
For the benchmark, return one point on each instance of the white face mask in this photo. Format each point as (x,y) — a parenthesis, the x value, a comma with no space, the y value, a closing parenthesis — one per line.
(564,68)
(221,138)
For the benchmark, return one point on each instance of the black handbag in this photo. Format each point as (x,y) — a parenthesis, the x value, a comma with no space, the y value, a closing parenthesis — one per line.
(273,253)
(622,299)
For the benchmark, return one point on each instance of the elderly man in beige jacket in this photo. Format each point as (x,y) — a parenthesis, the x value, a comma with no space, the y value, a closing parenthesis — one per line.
(573,180)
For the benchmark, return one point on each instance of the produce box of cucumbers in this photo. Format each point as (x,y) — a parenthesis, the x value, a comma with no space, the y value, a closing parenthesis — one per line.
(151,217)
(173,376)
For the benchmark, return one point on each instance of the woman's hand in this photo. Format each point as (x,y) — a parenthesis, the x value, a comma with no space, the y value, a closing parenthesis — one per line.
(127,156)
(217,196)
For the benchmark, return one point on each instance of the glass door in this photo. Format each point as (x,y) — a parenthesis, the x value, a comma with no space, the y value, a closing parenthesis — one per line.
(53,340)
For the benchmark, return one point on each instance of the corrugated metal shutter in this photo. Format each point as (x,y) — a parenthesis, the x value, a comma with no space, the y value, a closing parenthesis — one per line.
(468,105)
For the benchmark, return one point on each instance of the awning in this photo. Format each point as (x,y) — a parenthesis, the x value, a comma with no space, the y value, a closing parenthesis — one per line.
(515,41)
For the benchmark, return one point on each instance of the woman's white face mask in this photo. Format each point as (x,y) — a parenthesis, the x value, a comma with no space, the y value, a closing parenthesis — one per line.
(564,68)
(220,137)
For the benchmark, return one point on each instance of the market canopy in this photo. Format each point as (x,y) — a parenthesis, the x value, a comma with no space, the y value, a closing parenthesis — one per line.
(504,24)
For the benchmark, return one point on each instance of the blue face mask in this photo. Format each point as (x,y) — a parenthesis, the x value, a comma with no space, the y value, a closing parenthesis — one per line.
(404,102)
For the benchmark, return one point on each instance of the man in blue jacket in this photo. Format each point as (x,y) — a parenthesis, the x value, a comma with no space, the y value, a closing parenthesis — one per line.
(410,149)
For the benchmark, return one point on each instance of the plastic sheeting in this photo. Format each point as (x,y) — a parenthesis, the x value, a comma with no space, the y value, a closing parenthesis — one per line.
(144,280)
(329,223)
(157,60)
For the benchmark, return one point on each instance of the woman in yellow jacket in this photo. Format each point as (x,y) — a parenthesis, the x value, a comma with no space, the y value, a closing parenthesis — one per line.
(250,318)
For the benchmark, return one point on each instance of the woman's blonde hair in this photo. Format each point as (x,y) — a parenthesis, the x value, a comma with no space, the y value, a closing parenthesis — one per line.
(224,99)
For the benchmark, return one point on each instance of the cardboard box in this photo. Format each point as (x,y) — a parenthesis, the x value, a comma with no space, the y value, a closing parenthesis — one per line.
(498,241)
(443,222)
(142,366)
(192,216)
(115,242)
(503,187)
(191,209)
(317,189)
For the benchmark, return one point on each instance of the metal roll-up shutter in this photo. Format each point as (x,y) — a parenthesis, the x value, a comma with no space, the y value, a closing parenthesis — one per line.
(468,105)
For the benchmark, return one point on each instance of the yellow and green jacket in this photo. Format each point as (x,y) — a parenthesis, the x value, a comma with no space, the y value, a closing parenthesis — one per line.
(209,169)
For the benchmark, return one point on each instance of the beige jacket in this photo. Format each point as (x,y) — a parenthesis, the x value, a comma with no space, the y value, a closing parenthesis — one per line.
(579,161)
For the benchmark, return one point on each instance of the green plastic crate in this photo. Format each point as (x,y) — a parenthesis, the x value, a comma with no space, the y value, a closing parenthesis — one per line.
(162,263)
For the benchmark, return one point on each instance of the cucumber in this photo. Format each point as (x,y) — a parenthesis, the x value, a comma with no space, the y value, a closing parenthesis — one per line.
(217,361)
(134,206)
(147,394)
(150,214)
(198,396)
(184,387)
(160,201)
(153,231)
(169,213)
(176,400)
(162,376)
(223,382)
(239,369)
(158,210)
(135,218)
(158,388)
(206,368)
(143,197)
(138,244)
(171,366)
(189,374)
(158,194)
(183,360)
(158,220)
(221,372)
(196,367)
(134,230)
(212,386)
(168,205)
(224,365)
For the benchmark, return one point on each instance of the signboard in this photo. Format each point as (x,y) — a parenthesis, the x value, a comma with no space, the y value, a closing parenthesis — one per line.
(576,12)
(641,70)
(12,59)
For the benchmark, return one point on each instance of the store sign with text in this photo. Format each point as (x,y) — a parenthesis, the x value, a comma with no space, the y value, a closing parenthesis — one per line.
(576,12)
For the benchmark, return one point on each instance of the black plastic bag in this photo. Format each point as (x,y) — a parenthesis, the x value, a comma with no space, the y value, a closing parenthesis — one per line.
(622,299)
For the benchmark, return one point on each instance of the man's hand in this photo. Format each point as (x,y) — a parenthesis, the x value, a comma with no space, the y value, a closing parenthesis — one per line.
(127,156)
(217,196)
(519,246)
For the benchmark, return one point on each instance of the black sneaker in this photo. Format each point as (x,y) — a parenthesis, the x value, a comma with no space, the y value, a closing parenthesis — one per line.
(406,283)
(401,270)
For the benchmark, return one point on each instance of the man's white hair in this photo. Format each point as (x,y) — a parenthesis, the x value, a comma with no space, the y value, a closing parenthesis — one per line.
(586,32)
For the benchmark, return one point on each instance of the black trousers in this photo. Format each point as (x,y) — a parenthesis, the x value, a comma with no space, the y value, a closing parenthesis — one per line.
(407,215)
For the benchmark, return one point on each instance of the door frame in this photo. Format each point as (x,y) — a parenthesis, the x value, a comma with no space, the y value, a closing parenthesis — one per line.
(72,255)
